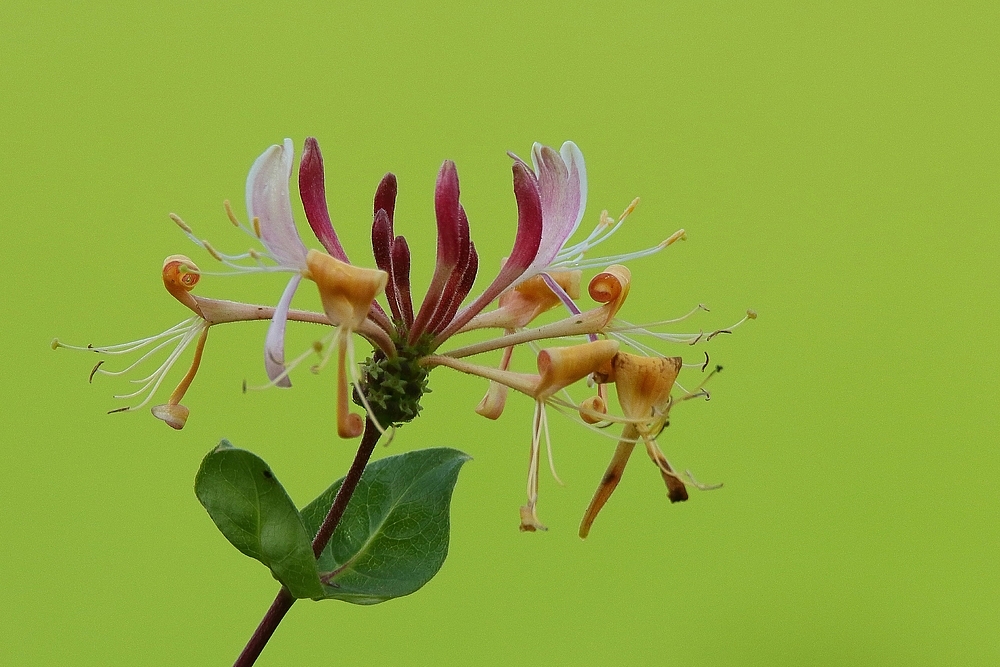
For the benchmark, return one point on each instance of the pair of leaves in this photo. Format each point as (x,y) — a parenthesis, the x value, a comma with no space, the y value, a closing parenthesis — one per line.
(392,539)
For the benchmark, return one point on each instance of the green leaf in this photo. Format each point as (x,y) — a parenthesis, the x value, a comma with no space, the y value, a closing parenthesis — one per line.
(253,511)
(393,537)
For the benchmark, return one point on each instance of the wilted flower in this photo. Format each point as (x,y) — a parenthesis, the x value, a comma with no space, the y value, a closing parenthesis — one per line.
(543,271)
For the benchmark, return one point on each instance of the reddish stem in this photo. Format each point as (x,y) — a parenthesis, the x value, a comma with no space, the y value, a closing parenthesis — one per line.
(284,600)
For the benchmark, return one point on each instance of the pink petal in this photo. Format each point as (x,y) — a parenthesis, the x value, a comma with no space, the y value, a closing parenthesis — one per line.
(312,190)
(562,186)
(267,200)
(274,343)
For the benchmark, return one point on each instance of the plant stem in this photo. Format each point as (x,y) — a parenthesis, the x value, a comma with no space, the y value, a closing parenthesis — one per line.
(284,600)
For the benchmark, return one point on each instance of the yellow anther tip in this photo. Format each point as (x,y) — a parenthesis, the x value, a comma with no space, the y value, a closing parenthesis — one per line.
(230,214)
(180,223)
(56,344)
(752,314)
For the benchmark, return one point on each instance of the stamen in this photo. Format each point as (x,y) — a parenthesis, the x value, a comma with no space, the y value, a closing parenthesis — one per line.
(155,379)
(548,446)
(126,348)
(529,517)
(317,347)
(145,356)
(232,260)
(698,485)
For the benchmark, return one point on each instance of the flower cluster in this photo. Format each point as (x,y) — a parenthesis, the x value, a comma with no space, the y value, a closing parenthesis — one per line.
(543,271)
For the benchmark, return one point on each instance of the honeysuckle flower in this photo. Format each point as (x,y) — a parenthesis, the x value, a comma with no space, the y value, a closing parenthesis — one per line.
(542,271)
(643,385)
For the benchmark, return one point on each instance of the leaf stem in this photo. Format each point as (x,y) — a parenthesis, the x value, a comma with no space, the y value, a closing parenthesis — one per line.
(284,600)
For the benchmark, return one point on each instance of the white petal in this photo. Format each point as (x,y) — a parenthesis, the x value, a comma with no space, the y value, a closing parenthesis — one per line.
(274,344)
(267,200)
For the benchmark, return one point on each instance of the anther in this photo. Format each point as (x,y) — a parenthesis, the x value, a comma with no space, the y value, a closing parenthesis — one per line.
(211,251)
(180,223)
(256,226)
(752,314)
(229,213)
(628,209)
(705,365)
(679,235)
(94,372)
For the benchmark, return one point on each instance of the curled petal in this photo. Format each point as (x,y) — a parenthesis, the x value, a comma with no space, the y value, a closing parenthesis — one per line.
(346,291)
(174,415)
(495,399)
(592,409)
(267,201)
(493,402)
(274,343)
(611,288)
(180,275)
(312,190)
(559,367)
(644,383)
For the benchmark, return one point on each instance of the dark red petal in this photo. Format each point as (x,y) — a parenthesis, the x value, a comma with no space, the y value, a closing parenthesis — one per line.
(449,244)
(401,278)
(462,288)
(312,190)
(385,196)
(382,250)
(444,311)
(526,242)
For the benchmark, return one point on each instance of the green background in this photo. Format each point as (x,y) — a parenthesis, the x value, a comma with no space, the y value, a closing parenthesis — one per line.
(836,169)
